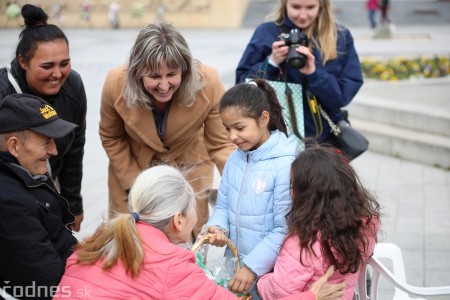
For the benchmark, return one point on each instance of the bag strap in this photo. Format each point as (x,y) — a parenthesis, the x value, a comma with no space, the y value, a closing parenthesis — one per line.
(289,100)
(314,107)
(317,111)
(291,109)
(13,80)
(334,128)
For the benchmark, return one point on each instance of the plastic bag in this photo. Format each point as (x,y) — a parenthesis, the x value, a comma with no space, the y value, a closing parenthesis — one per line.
(217,268)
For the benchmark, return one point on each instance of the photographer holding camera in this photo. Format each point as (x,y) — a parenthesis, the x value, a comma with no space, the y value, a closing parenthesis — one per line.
(303,44)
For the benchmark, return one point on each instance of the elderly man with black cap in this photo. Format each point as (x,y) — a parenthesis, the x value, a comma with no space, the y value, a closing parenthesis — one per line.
(35,235)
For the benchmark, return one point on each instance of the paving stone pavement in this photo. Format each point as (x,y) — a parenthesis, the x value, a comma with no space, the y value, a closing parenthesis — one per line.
(415,197)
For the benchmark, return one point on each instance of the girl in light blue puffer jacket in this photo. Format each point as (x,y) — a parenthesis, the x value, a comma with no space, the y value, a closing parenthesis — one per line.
(253,196)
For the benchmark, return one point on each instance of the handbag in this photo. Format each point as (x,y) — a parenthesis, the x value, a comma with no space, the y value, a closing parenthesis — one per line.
(290,97)
(344,137)
(349,140)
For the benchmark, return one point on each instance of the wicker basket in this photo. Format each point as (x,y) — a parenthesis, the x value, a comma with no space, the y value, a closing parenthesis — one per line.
(233,249)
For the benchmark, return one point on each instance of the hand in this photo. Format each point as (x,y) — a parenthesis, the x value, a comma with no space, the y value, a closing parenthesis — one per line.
(325,291)
(218,237)
(310,66)
(279,52)
(77,223)
(242,280)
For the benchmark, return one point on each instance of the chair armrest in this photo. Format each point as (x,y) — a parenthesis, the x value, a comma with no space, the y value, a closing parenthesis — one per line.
(380,269)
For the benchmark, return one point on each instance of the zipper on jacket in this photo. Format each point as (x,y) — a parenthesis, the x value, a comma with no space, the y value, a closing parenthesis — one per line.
(241,192)
(60,196)
(37,183)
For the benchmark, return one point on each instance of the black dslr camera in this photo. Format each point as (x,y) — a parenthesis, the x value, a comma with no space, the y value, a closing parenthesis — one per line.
(294,39)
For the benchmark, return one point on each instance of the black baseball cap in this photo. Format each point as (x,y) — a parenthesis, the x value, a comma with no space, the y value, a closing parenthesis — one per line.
(23,111)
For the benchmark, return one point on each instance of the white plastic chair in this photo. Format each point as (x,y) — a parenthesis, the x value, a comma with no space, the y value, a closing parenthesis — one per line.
(397,277)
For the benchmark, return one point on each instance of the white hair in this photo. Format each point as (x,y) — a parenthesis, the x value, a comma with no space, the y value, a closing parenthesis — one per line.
(159,193)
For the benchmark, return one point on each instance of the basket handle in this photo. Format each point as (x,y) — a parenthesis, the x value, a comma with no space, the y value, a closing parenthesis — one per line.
(205,238)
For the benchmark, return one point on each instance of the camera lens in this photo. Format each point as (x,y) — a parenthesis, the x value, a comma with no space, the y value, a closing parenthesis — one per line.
(295,59)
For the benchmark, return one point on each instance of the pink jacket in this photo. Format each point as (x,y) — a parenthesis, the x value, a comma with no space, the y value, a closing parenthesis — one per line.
(290,276)
(169,272)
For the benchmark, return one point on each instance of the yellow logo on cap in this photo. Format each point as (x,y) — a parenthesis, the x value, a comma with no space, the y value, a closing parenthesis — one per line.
(47,112)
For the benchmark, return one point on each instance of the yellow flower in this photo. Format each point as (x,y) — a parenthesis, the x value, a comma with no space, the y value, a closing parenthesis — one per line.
(406,68)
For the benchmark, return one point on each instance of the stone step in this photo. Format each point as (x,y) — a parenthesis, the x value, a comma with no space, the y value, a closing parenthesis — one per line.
(427,118)
(404,143)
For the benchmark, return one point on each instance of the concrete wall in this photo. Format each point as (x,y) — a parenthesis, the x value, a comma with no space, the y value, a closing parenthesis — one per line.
(211,14)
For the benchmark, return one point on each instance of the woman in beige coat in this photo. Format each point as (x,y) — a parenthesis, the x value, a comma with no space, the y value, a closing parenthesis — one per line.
(162,106)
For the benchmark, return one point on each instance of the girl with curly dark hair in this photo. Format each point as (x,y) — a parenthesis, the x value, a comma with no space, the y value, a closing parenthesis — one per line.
(333,221)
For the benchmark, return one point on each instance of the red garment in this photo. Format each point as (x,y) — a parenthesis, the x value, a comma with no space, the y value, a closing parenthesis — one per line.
(168,272)
(372,4)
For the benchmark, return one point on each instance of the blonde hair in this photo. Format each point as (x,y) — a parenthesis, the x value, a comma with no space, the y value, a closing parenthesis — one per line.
(155,44)
(322,33)
(156,196)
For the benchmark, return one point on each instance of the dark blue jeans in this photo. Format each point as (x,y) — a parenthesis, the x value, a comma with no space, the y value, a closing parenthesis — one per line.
(372,18)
